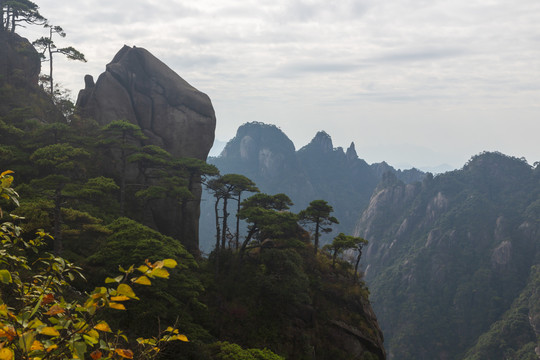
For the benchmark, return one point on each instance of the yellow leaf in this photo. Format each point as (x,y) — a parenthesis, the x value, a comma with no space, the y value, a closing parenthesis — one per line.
(180,337)
(6,354)
(117,306)
(51,348)
(8,332)
(90,340)
(54,310)
(143,268)
(158,264)
(103,326)
(3,309)
(7,172)
(94,334)
(36,345)
(5,276)
(35,324)
(170,263)
(159,273)
(124,289)
(50,331)
(119,298)
(143,280)
(125,353)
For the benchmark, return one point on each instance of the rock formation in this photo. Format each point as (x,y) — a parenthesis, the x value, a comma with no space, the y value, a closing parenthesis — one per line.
(138,87)
(20,66)
(266,155)
(18,59)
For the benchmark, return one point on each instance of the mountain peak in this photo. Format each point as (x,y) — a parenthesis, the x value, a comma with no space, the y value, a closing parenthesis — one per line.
(351,152)
(322,142)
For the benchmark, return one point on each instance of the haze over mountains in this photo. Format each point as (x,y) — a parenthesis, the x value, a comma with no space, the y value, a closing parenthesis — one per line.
(266,155)
(453,259)
(403,156)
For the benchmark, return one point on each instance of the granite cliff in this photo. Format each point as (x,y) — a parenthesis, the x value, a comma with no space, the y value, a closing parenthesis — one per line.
(172,114)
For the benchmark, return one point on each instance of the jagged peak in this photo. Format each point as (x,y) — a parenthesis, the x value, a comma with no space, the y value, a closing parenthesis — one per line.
(321,142)
(351,152)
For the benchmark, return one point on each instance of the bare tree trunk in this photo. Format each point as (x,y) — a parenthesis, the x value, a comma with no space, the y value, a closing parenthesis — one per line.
(51,68)
(357,262)
(238,223)
(57,247)
(218,237)
(316,236)
(224,227)
(2,28)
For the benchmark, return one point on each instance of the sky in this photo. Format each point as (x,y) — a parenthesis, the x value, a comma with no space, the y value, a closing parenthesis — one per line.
(411,82)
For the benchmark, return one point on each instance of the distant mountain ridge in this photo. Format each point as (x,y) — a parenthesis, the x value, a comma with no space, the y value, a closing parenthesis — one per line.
(266,155)
(449,256)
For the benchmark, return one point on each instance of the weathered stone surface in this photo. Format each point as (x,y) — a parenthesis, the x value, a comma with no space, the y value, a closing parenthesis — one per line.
(18,59)
(138,87)
(20,66)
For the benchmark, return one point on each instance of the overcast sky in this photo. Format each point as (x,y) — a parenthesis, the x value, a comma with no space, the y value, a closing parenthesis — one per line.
(418,82)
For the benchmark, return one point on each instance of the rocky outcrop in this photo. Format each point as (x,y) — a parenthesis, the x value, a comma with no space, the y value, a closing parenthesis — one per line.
(322,142)
(20,66)
(19,61)
(138,87)
(264,150)
(172,114)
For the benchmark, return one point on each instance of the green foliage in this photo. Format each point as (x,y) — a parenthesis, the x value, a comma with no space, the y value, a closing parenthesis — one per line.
(267,218)
(318,213)
(13,12)
(42,318)
(437,276)
(131,243)
(47,49)
(513,337)
(344,242)
(223,350)
(62,157)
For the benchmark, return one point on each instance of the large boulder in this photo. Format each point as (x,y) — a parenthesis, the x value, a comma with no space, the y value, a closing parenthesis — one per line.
(141,89)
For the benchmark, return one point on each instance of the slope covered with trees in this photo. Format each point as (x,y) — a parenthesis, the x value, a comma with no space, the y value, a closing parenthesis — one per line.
(273,298)
(452,258)
(266,155)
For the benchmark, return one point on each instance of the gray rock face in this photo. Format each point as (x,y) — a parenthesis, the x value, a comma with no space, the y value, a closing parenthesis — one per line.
(138,87)
(18,59)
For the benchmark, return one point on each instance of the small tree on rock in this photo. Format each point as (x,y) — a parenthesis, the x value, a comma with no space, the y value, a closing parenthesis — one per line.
(318,213)
(13,12)
(48,49)
(344,242)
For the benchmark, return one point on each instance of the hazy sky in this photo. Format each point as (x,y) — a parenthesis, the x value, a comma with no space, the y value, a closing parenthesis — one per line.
(419,82)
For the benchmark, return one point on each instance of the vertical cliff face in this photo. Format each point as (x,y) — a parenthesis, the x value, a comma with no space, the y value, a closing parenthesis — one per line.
(141,89)
(448,257)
